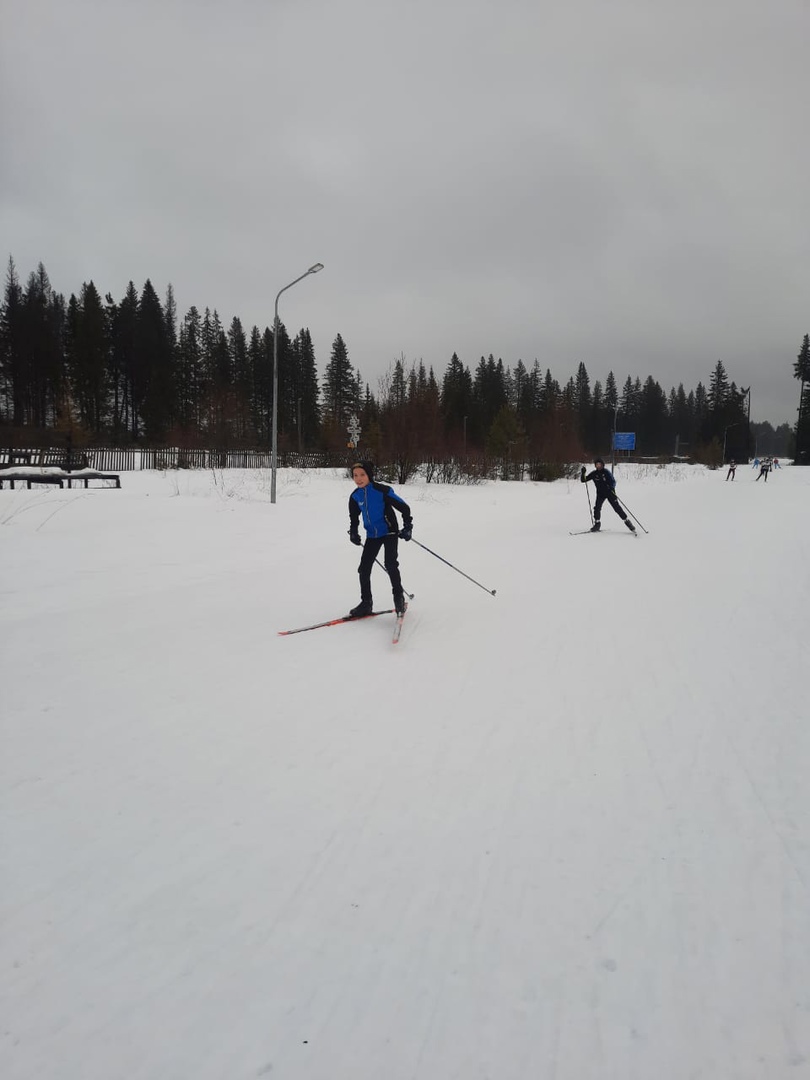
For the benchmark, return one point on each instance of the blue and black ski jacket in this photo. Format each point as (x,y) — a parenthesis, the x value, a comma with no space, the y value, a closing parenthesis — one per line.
(604,481)
(377,503)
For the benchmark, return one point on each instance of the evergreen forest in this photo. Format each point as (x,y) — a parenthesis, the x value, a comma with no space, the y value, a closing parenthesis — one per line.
(133,372)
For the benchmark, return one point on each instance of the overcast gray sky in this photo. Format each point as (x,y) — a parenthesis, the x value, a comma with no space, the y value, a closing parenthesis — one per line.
(625,184)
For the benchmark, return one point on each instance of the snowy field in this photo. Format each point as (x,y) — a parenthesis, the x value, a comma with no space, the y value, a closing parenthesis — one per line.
(558,834)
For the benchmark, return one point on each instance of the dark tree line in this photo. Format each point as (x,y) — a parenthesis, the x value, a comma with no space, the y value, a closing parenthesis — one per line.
(131,371)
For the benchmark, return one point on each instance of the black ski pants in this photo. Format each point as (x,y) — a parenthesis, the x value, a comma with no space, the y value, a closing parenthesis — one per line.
(614,502)
(371,550)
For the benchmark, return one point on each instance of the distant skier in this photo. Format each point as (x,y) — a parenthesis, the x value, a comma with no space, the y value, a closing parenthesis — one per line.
(377,503)
(732,469)
(755,463)
(605,485)
(764,469)
(776,464)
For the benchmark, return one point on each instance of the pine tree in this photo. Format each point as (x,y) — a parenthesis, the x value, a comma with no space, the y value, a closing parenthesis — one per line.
(489,393)
(611,392)
(717,404)
(652,422)
(456,399)
(309,409)
(398,394)
(170,316)
(240,368)
(600,423)
(188,372)
(583,402)
(627,405)
(224,406)
(12,367)
(506,440)
(153,367)
(87,351)
(552,393)
(214,382)
(260,361)
(801,371)
(123,322)
(340,391)
(43,323)
(700,412)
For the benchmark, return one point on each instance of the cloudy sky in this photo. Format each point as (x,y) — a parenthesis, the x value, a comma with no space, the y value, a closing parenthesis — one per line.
(625,184)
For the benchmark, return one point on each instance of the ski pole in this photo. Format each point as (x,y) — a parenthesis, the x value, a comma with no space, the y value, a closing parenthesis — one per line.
(410,595)
(588,493)
(467,576)
(633,516)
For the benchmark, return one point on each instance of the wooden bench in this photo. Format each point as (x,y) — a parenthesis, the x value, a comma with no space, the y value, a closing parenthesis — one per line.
(64,466)
(12,477)
(49,459)
(90,474)
(64,459)
(17,476)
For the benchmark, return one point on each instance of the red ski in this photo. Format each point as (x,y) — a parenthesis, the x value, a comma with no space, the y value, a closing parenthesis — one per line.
(336,622)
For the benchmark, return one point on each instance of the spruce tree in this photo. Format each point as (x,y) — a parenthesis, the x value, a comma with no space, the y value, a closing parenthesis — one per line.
(12,367)
(309,410)
(87,352)
(801,371)
(582,402)
(43,322)
(153,367)
(123,322)
(341,396)
(237,348)
(652,419)
(456,398)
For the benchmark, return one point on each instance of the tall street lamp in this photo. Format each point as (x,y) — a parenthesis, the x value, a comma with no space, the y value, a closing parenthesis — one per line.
(274,448)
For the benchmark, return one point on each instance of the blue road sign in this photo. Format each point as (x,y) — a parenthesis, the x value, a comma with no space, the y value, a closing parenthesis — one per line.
(624,440)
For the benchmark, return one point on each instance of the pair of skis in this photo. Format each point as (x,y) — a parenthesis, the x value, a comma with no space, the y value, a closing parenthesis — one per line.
(612,532)
(353,618)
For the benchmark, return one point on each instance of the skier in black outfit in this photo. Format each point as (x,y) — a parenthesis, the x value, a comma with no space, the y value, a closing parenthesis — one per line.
(605,485)
(377,503)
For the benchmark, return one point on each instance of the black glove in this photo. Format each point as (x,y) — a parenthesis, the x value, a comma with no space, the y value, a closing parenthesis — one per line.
(354,536)
(406,532)
(582,473)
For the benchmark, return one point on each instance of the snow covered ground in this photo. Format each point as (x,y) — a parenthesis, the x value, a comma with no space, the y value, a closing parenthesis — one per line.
(559,834)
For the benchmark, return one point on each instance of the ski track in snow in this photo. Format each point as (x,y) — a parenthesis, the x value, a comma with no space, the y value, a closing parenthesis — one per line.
(562,832)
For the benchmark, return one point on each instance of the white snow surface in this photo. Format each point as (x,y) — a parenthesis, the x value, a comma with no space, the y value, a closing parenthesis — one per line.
(561,833)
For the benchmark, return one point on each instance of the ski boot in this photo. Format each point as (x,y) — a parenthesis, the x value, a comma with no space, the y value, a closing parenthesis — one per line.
(399,603)
(629,524)
(597,525)
(365,607)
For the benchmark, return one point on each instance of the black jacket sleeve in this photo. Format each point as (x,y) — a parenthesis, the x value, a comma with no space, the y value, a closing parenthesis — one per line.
(354,516)
(394,502)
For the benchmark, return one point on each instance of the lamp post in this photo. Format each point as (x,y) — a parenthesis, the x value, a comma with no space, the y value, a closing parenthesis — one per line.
(274,445)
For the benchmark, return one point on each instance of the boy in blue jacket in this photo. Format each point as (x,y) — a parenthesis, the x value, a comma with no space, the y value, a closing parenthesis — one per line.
(377,503)
(605,484)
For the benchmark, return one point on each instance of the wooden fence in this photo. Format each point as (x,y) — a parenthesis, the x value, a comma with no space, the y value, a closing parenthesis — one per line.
(110,458)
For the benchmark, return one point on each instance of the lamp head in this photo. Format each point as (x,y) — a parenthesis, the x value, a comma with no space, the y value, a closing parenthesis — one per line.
(314,269)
